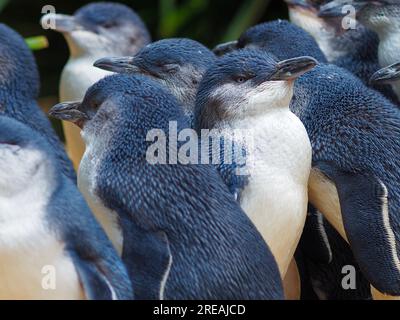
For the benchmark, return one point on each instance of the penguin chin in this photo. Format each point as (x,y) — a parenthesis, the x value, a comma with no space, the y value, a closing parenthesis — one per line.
(270,95)
(87,43)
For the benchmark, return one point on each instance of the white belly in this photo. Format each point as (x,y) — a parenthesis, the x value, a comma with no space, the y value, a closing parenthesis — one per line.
(27,273)
(30,256)
(323,196)
(107,218)
(276,197)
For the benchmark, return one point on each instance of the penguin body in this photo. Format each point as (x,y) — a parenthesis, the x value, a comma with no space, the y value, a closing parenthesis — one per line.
(94,31)
(19,89)
(179,221)
(50,245)
(242,92)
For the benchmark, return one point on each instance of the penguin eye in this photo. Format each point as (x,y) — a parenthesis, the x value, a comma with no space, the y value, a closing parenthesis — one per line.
(109,24)
(240,79)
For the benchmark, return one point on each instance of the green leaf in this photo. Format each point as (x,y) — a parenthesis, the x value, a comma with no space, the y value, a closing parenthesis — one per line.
(174,17)
(3,3)
(248,14)
(37,43)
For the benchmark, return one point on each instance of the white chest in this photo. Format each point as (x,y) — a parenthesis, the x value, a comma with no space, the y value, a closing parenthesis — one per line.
(86,184)
(78,75)
(33,264)
(276,196)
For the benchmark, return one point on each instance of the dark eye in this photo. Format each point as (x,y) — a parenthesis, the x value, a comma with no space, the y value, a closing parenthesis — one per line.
(109,24)
(241,79)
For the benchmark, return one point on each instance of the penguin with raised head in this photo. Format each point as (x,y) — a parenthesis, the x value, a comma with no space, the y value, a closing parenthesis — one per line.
(51,247)
(19,90)
(94,31)
(249,90)
(184,236)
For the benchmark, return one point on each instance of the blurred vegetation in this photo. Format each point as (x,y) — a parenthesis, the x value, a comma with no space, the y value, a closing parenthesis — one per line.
(207,21)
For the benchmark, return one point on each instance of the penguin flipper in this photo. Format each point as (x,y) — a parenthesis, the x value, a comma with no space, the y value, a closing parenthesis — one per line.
(314,241)
(94,281)
(147,255)
(365,212)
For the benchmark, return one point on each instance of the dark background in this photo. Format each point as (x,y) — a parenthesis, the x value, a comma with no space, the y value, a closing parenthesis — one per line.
(207,21)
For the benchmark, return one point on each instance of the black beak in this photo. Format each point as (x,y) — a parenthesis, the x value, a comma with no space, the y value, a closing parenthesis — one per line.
(60,22)
(293,68)
(69,111)
(386,75)
(118,65)
(225,48)
(336,8)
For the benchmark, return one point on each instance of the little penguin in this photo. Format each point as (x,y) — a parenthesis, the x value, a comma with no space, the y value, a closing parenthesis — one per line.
(19,90)
(249,90)
(183,234)
(381,16)
(94,31)
(177,63)
(51,247)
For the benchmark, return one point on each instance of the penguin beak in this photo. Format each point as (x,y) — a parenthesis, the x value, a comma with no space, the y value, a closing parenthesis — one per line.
(334,8)
(118,65)
(225,48)
(60,22)
(299,3)
(69,111)
(293,68)
(386,75)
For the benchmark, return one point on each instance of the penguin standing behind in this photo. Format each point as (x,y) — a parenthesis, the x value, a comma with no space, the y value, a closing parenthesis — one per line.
(381,16)
(177,63)
(251,91)
(51,247)
(390,74)
(94,31)
(184,236)
(355,50)
(19,89)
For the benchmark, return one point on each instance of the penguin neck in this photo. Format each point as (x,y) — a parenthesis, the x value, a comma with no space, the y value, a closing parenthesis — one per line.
(389,47)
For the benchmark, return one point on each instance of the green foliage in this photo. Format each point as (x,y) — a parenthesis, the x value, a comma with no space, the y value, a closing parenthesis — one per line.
(174,16)
(247,15)
(37,43)
(3,3)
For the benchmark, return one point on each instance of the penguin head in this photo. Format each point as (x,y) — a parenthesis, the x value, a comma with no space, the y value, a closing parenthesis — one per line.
(281,38)
(24,156)
(179,64)
(379,15)
(304,13)
(19,75)
(101,28)
(119,104)
(247,83)
(389,74)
